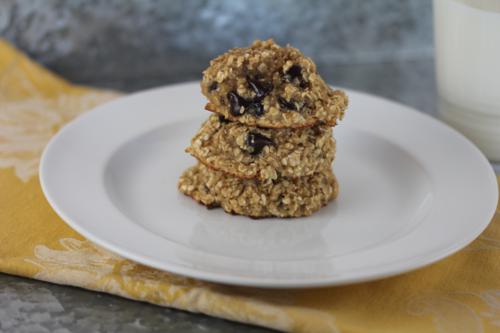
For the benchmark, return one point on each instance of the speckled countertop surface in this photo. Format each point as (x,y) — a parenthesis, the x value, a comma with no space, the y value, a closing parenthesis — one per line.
(38,307)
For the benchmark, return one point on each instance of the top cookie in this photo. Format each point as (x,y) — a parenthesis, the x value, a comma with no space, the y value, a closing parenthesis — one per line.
(266,85)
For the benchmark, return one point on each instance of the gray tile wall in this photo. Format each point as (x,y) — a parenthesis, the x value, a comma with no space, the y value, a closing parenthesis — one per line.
(139,43)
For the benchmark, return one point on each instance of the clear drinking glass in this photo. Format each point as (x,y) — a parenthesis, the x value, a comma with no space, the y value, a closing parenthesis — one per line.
(467,44)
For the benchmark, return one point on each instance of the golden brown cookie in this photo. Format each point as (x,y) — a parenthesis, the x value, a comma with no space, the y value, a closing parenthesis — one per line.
(281,198)
(251,152)
(266,85)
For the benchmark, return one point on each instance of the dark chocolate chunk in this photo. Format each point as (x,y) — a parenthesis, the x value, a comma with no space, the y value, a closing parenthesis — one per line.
(235,103)
(288,105)
(255,108)
(257,142)
(295,72)
(238,105)
(261,89)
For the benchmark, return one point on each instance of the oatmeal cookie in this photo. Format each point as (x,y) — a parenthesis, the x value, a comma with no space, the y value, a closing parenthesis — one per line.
(281,198)
(251,152)
(266,85)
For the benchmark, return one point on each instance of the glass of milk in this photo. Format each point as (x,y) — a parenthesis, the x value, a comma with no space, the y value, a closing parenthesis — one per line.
(467,43)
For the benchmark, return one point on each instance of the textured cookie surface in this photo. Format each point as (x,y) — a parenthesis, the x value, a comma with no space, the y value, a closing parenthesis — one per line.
(250,152)
(270,86)
(281,198)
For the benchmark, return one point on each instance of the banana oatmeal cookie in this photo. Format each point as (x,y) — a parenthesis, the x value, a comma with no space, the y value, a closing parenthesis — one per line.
(251,152)
(266,85)
(282,198)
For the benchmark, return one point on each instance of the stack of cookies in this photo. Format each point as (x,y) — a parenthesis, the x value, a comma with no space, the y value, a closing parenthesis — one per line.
(267,149)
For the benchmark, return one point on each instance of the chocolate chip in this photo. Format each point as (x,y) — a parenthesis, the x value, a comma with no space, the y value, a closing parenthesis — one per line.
(295,72)
(236,103)
(289,105)
(213,86)
(257,142)
(261,89)
(255,108)
(239,105)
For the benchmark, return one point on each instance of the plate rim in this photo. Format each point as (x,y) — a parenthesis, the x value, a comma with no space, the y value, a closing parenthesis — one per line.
(409,265)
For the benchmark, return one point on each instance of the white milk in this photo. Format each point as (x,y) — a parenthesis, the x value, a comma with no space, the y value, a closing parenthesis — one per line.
(467,42)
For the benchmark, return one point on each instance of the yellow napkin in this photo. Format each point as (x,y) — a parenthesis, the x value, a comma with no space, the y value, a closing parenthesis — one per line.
(458,294)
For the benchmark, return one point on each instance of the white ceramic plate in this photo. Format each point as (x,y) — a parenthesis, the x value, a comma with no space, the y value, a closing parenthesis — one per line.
(412,191)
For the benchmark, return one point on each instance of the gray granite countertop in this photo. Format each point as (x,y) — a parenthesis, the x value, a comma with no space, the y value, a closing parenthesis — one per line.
(33,306)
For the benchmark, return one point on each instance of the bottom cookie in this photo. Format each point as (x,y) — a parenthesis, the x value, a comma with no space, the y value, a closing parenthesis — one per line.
(281,198)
